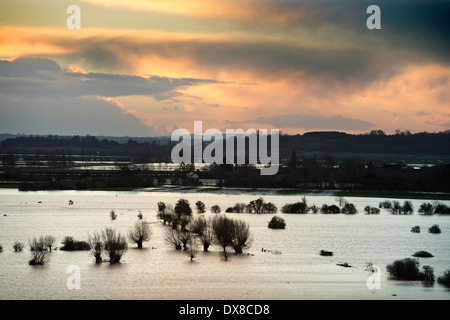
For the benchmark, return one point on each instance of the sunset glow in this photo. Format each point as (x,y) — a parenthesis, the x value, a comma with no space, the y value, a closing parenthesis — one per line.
(293,65)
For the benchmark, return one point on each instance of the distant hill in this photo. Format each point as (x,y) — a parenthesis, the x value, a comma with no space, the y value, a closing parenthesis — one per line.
(375,146)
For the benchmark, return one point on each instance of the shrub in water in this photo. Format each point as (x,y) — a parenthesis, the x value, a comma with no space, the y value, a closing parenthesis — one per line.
(445,278)
(39,251)
(114,244)
(371,210)
(69,244)
(333,209)
(139,233)
(349,208)
(408,269)
(434,229)
(326,253)
(415,229)
(277,223)
(422,254)
(18,246)
(298,207)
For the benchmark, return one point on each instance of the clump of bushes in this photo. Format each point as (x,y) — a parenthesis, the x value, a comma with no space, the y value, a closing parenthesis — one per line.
(386,204)
(408,269)
(69,244)
(426,209)
(254,206)
(1,248)
(239,207)
(39,251)
(422,254)
(326,253)
(442,209)
(200,205)
(18,246)
(260,206)
(215,209)
(349,208)
(406,208)
(113,215)
(434,229)
(333,209)
(415,229)
(277,223)
(297,207)
(445,278)
(371,210)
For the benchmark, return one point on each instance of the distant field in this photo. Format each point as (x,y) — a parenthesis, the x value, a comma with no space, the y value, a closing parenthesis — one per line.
(394,194)
(377,156)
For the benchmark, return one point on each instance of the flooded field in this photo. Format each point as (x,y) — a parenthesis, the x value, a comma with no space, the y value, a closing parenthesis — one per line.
(280,264)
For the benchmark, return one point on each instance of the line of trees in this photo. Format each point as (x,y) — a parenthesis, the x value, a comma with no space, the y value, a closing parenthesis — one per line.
(185,232)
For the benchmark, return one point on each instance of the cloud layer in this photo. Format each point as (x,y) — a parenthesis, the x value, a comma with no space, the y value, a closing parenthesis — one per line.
(297,65)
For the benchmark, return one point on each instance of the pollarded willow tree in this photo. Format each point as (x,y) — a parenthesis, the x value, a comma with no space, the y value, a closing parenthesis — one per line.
(140,233)
(114,244)
(110,241)
(231,233)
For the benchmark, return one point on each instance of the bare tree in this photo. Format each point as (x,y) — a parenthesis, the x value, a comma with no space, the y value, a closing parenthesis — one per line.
(172,237)
(223,232)
(185,237)
(96,244)
(241,238)
(207,237)
(139,233)
(197,225)
(49,242)
(192,247)
(39,251)
(114,244)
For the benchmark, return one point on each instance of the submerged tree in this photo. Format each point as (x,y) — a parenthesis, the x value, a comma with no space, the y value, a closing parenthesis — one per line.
(139,233)
(96,245)
(207,236)
(241,236)
(39,251)
(231,233)
(200,207)
(426,208)
(18,246)
(215,209)
(192,247)
(183,207)
(50,242)
(172,237)
(277,223)
(349,208)
(114,244)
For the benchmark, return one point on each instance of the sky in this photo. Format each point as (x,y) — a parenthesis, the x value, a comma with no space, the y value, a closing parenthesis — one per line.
(145,68)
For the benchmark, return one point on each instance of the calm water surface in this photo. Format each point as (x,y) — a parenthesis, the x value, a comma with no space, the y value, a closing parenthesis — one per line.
(290,267)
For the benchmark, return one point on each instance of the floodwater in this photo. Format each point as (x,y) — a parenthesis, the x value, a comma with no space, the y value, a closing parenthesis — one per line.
(279,265)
